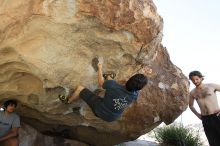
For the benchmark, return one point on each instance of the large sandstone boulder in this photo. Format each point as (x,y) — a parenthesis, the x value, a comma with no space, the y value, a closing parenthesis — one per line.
(48,46)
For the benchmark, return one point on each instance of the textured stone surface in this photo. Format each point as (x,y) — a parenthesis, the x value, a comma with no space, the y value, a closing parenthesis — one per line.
(30,137)
(48,45)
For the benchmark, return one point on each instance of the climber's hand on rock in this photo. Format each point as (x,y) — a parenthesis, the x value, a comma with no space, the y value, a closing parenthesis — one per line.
(100,59)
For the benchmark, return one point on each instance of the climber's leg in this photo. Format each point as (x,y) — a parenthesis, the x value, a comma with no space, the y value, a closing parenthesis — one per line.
(93,100)
(99,92)
(75,94)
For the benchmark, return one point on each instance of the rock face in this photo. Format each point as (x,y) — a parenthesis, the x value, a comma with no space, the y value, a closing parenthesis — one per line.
(30,137)
(47,46)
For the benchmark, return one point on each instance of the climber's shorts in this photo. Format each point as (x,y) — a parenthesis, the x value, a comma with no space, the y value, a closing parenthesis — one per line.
(91,98)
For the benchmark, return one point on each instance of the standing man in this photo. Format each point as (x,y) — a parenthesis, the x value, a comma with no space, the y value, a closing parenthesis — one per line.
(205,95)
(9,124)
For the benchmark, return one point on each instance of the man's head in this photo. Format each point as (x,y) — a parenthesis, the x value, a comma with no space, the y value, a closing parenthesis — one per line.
(10,105)
(196,77)
(136,82)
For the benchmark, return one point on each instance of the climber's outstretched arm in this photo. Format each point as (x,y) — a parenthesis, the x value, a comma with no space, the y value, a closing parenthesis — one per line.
(100,73)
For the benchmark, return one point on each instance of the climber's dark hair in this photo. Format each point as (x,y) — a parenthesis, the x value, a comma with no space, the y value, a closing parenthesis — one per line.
(10,102)
(136,82)
(195,73)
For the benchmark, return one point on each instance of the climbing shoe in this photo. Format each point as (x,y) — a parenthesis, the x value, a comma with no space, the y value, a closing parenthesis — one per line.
(109,73)
(63,98)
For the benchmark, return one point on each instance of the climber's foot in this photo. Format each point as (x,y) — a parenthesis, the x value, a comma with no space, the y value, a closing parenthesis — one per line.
(63,98)
(75,95)
(110,74)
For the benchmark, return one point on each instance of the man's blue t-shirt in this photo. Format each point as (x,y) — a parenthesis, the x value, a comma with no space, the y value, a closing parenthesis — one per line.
(7,122)
(116,99)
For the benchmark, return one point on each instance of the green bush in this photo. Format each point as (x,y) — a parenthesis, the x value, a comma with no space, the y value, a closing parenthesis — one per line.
(175,135)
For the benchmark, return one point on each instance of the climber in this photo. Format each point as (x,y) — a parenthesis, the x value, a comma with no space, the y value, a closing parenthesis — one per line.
(117,97)
(9,124)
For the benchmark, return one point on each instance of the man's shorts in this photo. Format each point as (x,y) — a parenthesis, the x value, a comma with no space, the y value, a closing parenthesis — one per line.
(211,124)
(91,99)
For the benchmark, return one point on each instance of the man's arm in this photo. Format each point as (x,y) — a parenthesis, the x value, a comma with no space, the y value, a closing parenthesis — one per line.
(100,78)
(191,103)
(12,133)
(216,87)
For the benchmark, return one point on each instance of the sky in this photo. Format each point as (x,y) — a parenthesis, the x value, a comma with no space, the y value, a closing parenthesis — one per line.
(191,36)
